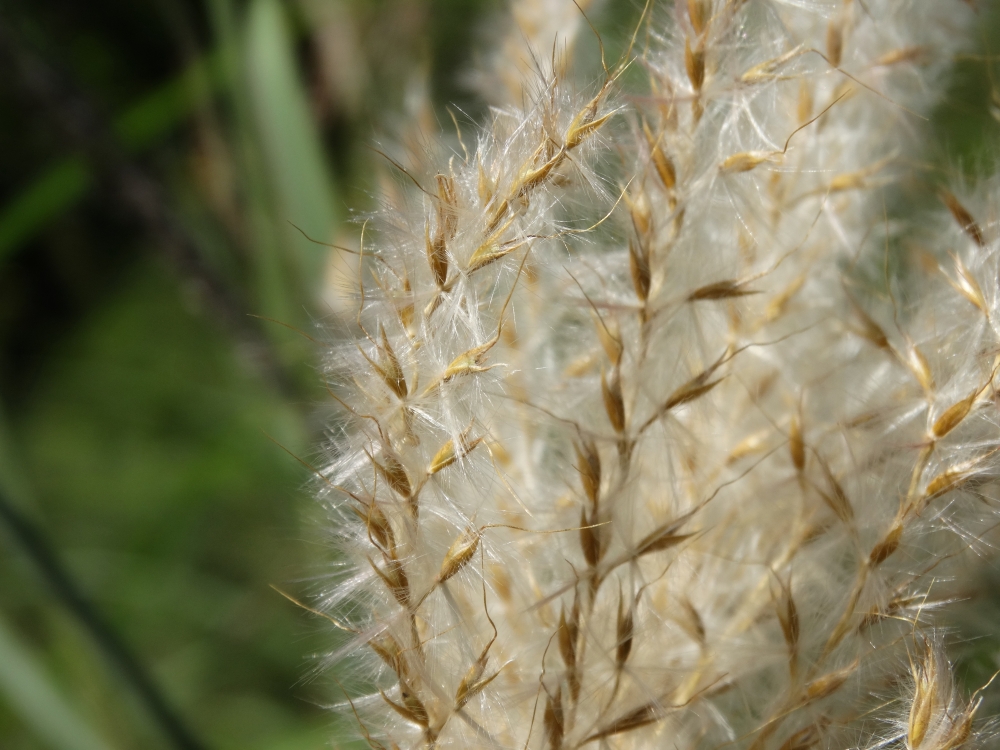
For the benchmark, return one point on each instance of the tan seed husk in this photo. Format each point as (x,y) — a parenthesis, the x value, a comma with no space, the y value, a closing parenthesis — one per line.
(588,463)
(694,63)
(625,631)
(393,373)
(554,720)
(953,416)
(834,41)
(698,13)
(451,452)
(721,290)
(968,287)
(395,579)
(437,256)
(837,499)
(590,539)
(745,161)
(886,546)
(638,259)
(828,684)
(661,162)
(796,445)
(412,708)
(643,716)
(963,217)
(459,554)
(614,405)
(392,471)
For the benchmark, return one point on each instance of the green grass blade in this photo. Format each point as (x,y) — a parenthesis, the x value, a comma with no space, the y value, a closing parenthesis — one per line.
(26,687)
(293,152)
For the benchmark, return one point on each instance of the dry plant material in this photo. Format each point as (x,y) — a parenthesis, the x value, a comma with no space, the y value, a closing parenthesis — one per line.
(651,445)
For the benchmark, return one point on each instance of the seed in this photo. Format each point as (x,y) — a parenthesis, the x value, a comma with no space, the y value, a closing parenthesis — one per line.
(963,217)
(412,708)
(610,338)
(664,537)
(796,446)
(804,109)
(788,617)
(473,682)
(720,290)
(664,167)
(692,621)
(638,258)
(697,12)
(590,540)
(888,545)
(694,63)
(613,403)
(554,720)
(394,377)
(394,577)
(640,717)
(694,388)
(921,370)
(437,255)
(393,473)
(588,463)
(745,161)
(577,133)
(837,500)
(828,684)
(968,287)
(834,42)
(447,206)
(377,524)
(451,452)
(391,653)
(901,55)
(625,632)
(568,630)
(953,416)
(491,252)
(460,552)
(924,698)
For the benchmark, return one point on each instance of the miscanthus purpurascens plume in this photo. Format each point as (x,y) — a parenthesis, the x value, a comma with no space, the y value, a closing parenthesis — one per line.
(657,427)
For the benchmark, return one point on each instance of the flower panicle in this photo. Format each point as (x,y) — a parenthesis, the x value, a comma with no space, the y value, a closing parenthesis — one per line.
(656,424)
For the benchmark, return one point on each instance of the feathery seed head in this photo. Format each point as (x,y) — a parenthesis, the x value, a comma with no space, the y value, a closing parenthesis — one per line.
(647,359)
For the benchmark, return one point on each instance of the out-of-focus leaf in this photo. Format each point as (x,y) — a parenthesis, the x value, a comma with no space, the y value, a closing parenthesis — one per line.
(57,189)
(138,128)
(26,687)
(295,161)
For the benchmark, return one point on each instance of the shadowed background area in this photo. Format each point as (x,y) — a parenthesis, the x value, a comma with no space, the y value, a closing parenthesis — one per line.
(155,158)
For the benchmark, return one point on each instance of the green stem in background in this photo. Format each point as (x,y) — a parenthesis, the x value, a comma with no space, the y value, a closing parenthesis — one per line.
(65,589)
(28,689)
(21,680)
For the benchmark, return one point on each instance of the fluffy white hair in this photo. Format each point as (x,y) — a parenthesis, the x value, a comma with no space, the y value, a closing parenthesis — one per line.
(661,414)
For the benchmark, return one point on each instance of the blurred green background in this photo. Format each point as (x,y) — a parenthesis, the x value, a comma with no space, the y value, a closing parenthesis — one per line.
(154,158)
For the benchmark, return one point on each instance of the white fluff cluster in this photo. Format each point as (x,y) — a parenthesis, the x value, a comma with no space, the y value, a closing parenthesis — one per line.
(660,422)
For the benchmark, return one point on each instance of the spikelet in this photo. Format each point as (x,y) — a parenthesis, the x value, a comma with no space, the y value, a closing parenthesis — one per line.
(652,433)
